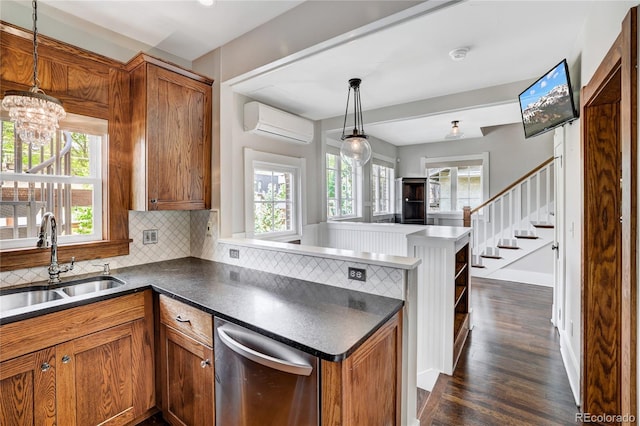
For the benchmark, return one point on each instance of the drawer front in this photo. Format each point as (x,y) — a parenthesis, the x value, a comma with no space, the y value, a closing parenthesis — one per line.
(187,319)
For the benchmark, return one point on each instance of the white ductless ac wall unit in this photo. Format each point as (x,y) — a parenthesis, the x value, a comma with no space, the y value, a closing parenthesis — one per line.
(271,122)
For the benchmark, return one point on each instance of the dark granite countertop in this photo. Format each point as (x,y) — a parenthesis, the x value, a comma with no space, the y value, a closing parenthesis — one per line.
(325,321)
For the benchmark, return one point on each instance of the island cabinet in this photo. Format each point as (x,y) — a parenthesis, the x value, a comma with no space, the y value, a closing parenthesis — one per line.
(186,363)
(365,388)
(171,130)
(443,300)
(87,365)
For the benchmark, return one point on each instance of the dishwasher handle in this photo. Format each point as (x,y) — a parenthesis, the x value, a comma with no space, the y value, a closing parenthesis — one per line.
(263,359)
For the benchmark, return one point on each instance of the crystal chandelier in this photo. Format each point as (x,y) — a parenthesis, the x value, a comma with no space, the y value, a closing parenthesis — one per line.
(355,146)
(35,114)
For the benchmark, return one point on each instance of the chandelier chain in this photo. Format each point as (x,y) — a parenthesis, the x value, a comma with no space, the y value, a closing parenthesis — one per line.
(34,16)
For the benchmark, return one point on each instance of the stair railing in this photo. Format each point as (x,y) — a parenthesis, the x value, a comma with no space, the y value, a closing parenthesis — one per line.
(528,199)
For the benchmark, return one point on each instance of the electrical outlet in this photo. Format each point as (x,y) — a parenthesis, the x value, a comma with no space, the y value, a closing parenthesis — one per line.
(209,228)
(150,236)
(357,274)
(234,253)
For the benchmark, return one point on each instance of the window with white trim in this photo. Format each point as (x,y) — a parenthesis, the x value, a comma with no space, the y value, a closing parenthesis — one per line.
(382,186)
(456,182)
(273,208)
(63,177)
(341,185)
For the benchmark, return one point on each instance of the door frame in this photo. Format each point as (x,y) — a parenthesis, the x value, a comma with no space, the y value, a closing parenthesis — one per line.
(559,282)
(614,83)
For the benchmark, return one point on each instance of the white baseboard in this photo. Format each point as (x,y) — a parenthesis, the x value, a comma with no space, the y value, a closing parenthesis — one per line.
(571,366)
(527,277)
(427,379)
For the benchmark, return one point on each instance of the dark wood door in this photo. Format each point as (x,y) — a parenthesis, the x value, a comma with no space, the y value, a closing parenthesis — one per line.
(609,153)
(179,141)
(27,386)
(187,379)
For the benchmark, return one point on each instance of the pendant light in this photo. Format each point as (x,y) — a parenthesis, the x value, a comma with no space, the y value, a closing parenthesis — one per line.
(34,114)
(355,146)
(455,132)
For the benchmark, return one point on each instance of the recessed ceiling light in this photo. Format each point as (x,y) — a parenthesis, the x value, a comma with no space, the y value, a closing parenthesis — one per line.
(207,2)
(459,54)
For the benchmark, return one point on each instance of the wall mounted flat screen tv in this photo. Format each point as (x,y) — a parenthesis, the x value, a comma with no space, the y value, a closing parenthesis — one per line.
(548,103)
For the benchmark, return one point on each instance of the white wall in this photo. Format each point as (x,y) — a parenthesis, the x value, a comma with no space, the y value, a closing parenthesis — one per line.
(242,139)
(510,154)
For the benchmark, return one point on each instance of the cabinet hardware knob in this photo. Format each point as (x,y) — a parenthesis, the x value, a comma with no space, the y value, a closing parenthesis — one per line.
(66,359)
(45,366)
(180,319)
(205,363)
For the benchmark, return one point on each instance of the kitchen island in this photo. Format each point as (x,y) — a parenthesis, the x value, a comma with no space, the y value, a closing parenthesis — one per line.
(328,322)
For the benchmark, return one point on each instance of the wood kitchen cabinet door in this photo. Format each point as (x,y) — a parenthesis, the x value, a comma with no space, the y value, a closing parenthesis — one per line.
(171,125)
(365,388)
(27,389)
(187,379)
(97,377)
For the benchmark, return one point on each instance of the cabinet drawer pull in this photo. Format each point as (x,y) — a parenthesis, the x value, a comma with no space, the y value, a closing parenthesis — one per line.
(66,359)
(205,363)
(45,366)
(180,319)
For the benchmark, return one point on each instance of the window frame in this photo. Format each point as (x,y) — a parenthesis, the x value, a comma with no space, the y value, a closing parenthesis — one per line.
(458,161)
(356,186)
(280,163)
(113,86)
(380,161)
(73,124)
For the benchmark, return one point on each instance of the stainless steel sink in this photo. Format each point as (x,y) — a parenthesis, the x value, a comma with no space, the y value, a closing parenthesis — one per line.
(91,285)
(27,298)
(35,296)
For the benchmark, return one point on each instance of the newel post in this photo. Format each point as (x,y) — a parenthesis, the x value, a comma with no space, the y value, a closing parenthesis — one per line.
(466,216)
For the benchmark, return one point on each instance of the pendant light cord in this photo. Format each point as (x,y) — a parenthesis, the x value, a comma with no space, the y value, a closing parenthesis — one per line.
(346,111)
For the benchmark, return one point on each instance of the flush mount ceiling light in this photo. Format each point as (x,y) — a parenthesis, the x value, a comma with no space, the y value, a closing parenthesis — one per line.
(455,132)
(459,54)
(355,146)
(35,114)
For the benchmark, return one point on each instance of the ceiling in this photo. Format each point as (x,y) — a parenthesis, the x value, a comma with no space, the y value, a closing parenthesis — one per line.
(161,23)
(508,41)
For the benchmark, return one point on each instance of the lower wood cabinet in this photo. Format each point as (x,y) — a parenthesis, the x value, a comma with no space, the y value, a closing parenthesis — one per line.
(365,388)
(186,364)
(83,366)
(27,386)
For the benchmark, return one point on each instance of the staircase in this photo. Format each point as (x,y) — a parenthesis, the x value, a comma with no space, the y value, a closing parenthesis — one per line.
(512,229)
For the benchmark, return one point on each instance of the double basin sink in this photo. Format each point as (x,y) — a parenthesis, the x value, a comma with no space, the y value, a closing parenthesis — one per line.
(35,296)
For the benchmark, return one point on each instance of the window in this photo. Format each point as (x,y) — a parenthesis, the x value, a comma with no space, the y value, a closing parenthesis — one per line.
(273,208)
(382,181)
(456,182)
(341,186)
(63,177)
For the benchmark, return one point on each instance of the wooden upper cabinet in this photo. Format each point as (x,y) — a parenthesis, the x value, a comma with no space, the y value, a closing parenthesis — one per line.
(171,128)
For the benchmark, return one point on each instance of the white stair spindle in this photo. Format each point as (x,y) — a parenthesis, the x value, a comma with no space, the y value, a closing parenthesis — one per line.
(549,170)
(538,176)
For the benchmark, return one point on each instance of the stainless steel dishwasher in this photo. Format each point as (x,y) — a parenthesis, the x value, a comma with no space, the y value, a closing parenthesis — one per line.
(260,381)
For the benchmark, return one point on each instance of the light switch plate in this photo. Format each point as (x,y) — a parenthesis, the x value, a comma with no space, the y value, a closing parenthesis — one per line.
(150,236)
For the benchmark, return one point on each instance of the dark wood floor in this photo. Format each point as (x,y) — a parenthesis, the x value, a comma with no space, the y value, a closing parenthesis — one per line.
(510,371)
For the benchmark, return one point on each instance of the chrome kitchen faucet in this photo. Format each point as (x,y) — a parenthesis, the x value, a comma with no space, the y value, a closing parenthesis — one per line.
(54,269)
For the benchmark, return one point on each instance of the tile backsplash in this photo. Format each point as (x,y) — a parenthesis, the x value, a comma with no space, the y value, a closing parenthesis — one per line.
(183,233)
(174,241)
